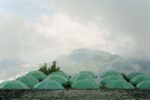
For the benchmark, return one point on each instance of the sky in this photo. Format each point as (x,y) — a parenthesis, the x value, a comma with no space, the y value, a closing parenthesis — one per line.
(41,30)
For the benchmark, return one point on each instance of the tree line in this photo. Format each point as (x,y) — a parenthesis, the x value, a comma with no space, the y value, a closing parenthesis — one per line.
(47,70)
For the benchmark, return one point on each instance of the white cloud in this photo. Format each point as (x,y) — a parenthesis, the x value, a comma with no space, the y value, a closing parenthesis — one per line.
(113,26)
(69,34)
(38,31)
(52,36)
(119,17)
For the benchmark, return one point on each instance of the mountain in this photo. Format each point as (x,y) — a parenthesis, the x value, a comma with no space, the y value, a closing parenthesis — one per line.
(81,59)
(97,61)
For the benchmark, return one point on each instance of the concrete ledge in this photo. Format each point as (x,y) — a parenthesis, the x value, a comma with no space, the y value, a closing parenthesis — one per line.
(74,94)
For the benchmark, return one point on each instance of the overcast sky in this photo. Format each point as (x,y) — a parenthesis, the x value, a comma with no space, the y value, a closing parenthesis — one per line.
(41,30)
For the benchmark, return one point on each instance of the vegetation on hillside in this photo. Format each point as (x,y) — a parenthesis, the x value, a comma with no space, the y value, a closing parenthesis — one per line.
(47,70)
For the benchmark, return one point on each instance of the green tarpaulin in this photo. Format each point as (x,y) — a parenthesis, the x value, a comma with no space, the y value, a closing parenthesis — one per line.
(119,84)
(109,78)
(13,85)
(139,78)
(119,76)
(85,84)
(144,85)
(133,74)
(28,80)
(80,76)
(38,75)
(48,84)
(58,78)
(60,73)
(109,73)
(90,73)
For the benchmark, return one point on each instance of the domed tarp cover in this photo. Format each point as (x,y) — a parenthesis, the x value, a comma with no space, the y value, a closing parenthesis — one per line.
(13,85)
(28,80)
(133,74)
(60,73)
(90,73)
(109,73)
(144,85)
(139,78)
(85,84)
(58,78)
(109,78)
(37,74)
(80,76)
(119,76)
(119,84)
(48,84)
(1,84)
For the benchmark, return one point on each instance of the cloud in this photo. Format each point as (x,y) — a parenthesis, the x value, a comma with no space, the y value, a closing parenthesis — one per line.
(51,36)
(116,14)
(119,27)
(27,9)
(40,31)
(17,39)
(69,34)
(128,17)
(10,28)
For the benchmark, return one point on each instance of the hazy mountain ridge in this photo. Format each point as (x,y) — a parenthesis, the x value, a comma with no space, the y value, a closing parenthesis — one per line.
(81,59)
(97,61)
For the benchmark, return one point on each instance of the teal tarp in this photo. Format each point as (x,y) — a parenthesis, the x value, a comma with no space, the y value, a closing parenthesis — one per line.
(133,74)
(85,84)
(144,85)
(38,75)
(109,78)
(119,84)
(28,80)
(13,85)
(58,78)
(80,76)
(109,73)
(90,73)
(48,84)
(139,78)
(60,73)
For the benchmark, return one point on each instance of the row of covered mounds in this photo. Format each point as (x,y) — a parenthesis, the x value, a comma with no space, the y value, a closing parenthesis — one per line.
(55,80)
(32,80)
(134,80)
(81,80)
(115,80)
(84,80)
(140,80)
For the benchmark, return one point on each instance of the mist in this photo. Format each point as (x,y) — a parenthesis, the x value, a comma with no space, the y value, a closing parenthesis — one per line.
(41,31)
